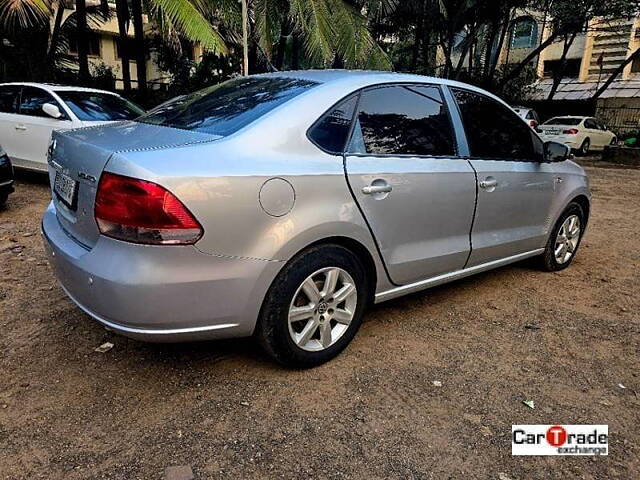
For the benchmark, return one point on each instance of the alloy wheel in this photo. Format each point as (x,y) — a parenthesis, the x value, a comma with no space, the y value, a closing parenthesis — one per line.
(567,239)
(322,309)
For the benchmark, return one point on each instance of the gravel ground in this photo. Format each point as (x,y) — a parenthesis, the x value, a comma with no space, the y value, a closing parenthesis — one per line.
(224,410)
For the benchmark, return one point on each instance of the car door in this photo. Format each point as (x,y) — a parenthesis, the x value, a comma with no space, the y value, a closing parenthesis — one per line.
(605,134)
(415,192)
(9,100)
(515,190)
(594,133)
(33,127)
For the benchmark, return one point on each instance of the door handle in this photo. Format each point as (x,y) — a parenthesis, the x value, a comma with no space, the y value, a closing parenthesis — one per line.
(488,182)
(20,127)
(371,189)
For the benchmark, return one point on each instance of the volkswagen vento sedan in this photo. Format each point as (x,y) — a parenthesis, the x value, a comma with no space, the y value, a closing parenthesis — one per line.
(282,205)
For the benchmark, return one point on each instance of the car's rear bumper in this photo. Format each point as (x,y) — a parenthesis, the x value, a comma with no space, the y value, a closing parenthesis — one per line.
(159,293)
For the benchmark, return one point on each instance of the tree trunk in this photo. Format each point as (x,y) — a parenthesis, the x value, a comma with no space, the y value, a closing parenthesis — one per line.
(140,48)
(285,31)
(83,43)
(616,72)
(55,38)
(521,66)
(557,75)
(495,61)
(419,39)
(295,52)
(122,12)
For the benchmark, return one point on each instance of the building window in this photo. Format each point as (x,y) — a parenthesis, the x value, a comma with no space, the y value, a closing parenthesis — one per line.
(94,45)
(524,33)
(571,68)
(130,46)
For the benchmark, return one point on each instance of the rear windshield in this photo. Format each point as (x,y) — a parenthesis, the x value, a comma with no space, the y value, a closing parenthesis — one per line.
(95,106)
(225,108)
(563,121)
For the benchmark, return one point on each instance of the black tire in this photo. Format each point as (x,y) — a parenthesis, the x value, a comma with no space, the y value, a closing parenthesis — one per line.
(584,148)
(614,141)
(3,199)
(272,330)
(548,260)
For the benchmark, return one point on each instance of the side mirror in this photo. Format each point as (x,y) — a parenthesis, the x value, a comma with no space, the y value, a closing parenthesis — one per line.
(556,152)
(51,110)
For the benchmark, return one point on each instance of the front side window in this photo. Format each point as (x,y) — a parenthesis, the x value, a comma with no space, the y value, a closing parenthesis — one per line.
(33,99)
(494,131)
(9,98)
(403,120)
(332,130)
(95,106)
(225,108)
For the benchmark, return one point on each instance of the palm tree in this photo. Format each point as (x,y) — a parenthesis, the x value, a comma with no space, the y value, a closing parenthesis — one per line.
(23,13)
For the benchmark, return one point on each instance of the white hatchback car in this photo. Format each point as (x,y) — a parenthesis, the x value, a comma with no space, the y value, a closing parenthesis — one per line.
(29,112)
(582,134)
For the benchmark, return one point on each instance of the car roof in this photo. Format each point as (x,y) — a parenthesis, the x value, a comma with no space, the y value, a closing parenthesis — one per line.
(53,87)
(370,77)
(352,80)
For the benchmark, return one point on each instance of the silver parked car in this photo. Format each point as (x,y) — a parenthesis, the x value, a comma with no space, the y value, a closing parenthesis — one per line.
(281,205)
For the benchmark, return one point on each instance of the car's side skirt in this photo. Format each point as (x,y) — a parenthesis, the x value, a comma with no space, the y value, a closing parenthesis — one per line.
(448,277)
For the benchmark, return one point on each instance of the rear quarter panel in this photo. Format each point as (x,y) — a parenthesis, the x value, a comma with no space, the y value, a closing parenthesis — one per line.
(220,183)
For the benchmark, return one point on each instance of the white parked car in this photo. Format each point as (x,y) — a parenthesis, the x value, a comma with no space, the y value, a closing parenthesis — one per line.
(29,112)
(582,134)
(528,114)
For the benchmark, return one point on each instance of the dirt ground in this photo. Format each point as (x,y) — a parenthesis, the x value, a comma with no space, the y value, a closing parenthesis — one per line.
(225,410)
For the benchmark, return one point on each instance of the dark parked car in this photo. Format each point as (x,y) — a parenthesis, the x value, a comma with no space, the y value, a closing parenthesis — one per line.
(6,177)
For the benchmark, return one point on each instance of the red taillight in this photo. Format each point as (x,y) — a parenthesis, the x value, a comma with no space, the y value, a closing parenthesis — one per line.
(143,212)
(533,123)
(570,131)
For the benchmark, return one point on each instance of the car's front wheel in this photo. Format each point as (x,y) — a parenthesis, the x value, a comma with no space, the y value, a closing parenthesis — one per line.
(565,239)
(3,199)
(314,307)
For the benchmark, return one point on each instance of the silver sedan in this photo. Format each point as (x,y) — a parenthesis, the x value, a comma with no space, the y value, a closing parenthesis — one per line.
(282,205)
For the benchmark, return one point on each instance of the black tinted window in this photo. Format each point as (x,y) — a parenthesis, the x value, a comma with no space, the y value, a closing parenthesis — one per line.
(403,120)
(99,106)
(225,108)
(590,123)
(9,96)
(493,130)
(332,130)
(32,100)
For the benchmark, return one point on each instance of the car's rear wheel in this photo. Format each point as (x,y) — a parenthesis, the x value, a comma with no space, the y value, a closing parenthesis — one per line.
(3,199)
(564,240)
(584,148)
(314,307)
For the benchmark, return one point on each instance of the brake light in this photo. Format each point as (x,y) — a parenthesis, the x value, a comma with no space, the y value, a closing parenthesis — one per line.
(533,123)
(570,131)
(139,211)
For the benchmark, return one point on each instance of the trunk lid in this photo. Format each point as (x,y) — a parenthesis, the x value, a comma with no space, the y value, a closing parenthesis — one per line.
(78,157)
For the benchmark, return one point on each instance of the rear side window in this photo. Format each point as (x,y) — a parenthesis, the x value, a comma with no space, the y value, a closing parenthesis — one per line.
(494,131)
(590,123)
(9,98)
(403,120)
(332,130)
(225,108)
(33,99)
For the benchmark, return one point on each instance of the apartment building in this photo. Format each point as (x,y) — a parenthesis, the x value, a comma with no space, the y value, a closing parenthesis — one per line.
(595,54)
(104,49)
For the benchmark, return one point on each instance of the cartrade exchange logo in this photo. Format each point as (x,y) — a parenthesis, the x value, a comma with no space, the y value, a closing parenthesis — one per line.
(559,439)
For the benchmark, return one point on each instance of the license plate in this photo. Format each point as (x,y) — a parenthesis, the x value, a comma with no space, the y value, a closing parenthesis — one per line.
(65,187)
